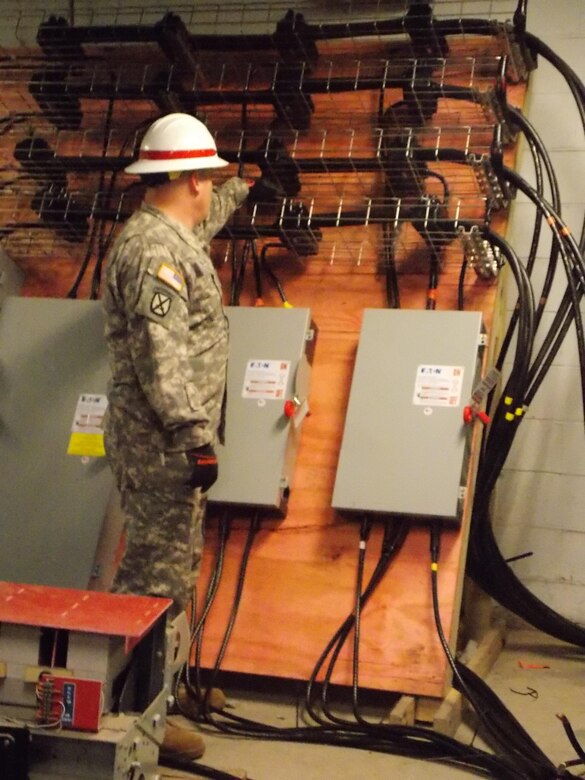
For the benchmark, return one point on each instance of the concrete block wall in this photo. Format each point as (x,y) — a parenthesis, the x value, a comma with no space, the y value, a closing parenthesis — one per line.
(541,495)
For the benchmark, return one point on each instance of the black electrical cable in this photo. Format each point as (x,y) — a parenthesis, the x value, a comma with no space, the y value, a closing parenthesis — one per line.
(353,621)
(96,226)
(443,179)
(574,82)
(503,721)
(240,277)
(503,425)
(538,153)
(461,285)
(574,265)
(572,737)
(365,531)
(412,741)
(563,320)
(393,539)
(485,562)
(103,247)
(194,686)
(512,739)
(434,265)
(251,535)
(96,276)
(389,264)
(435,535)
(257,267)
(269,272)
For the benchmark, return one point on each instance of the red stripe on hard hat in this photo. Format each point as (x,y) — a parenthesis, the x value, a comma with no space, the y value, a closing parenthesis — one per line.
(184,154)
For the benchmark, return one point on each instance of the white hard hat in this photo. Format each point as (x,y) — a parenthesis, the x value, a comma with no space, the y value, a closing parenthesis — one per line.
(176,142)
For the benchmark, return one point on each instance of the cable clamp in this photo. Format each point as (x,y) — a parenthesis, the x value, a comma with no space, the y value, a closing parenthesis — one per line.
(485,259)
(520,60)
(495,193)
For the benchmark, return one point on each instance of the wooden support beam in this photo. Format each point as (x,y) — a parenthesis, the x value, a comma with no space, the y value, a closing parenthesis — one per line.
(449,715)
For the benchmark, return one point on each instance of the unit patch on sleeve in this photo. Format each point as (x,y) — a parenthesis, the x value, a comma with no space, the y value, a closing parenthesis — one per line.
(158,302)
(160,305)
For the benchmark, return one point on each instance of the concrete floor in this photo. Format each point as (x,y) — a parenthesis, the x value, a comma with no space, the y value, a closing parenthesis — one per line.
(531,662)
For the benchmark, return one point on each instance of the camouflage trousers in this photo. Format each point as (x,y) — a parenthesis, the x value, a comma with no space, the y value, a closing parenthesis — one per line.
(164,520)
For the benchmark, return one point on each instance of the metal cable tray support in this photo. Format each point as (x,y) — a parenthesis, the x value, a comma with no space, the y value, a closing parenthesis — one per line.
(293,38)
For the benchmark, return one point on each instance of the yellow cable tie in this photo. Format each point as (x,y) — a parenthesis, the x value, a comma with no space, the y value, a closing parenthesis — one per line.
(509,416)
(508,400)
(434,566)
(287,305)
(519,411)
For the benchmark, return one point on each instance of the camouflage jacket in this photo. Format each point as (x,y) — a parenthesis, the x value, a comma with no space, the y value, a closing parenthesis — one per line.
(166,329)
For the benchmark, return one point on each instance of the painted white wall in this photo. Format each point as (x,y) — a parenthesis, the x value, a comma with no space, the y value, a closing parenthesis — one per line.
(540,499)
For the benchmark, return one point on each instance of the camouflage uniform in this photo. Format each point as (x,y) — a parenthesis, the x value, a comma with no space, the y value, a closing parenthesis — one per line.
(167,337)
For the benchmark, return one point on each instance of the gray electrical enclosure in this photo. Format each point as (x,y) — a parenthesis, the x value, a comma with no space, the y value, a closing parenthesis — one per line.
(52,504)
(11,277)
(54,372)
(405,445)
(268,366)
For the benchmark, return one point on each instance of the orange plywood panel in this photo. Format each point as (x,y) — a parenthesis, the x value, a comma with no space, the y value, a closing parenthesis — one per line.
(301,579)
(302,571)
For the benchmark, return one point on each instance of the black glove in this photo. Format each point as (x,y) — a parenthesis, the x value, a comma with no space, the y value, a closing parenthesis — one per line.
(203,461)
(266,190)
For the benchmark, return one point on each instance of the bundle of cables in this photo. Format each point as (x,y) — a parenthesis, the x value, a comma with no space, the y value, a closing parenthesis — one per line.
(486,563)
(515,754)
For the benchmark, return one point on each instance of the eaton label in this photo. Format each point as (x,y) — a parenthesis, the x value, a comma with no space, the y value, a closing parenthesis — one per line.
(266,379)
(438,385)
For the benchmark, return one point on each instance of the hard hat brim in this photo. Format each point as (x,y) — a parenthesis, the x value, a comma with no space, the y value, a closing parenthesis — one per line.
(141,167)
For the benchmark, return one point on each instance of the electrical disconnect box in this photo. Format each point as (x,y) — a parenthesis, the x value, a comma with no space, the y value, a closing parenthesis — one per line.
(267,400)
(405,445)
(54,496)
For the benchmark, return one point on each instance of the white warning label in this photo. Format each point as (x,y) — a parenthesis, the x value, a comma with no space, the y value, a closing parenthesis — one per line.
(265,379)
(438,385)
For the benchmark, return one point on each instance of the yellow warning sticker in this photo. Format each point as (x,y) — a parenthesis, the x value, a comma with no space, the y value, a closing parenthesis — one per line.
(88,445)
(87,431)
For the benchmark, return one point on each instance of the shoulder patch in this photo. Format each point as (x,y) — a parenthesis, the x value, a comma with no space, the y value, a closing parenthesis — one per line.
(169,275)
(158,302)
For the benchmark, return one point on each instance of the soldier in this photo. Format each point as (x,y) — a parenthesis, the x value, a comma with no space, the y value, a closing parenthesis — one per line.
(167,338)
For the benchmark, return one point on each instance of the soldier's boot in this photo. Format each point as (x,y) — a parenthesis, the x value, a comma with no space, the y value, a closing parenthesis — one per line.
(181,740)
(190,706)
